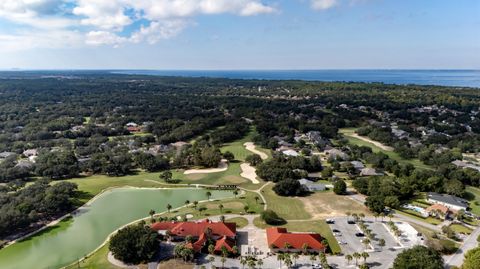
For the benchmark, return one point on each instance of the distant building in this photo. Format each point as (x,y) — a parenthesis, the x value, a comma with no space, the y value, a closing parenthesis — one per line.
(367,172)
(178,144)
(358,165)
(337,154)
(454,203)
(279,239)
(30,152)
(291,153)
(316,138)
(6,154)
(464,164)
(438,210)
(312,186)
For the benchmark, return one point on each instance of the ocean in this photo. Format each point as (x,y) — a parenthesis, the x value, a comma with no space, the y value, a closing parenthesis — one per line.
(459,78)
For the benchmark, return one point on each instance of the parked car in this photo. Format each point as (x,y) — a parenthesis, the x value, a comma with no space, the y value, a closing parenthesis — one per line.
(335,230)
(342,243)
(330,221)
(359,234)
(351,222)
(317,265)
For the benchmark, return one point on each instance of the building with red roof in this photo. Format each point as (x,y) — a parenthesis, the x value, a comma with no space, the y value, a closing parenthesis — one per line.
(279,239)
(223,232)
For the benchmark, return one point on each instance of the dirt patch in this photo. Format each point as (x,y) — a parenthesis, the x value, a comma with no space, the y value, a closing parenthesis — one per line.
(376,143)
(328,204)
(223,166)
(249,173)
(251,147)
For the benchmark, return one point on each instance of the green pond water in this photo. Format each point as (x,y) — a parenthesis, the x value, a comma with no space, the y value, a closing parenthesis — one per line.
(88,229)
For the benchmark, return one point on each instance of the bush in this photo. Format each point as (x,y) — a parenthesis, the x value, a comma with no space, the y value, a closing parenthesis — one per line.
(271,217)
(289,187)
(340,187)
(134,244)
(419,257)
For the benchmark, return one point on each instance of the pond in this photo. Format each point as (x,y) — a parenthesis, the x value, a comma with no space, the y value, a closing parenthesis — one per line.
(88,229)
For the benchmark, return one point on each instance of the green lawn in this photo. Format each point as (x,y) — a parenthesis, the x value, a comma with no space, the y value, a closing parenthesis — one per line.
(239,150)
(98,260)
(416,215)
(241,222)
(475,200)
(458,228)
(393,155)
(285,207)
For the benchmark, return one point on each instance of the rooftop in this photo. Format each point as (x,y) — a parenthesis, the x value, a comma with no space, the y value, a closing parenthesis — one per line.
(448,199)
(278,237)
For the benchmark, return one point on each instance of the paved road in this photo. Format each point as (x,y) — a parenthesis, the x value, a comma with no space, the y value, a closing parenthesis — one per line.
(469,243)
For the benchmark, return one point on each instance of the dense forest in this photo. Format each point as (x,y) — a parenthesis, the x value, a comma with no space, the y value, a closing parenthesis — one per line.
(57,125)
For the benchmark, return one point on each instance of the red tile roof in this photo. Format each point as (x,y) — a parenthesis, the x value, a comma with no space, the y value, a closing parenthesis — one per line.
(224,242)
(279,236)
(197,228)
(438,207)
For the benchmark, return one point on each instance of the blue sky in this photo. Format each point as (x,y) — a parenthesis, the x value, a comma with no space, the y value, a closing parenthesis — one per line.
(239,34)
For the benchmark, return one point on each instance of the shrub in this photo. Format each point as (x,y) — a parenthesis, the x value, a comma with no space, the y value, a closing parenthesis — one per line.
(134,244)
(340,187)
(271,217)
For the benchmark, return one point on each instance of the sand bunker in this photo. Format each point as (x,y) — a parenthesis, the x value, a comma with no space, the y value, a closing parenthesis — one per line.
(223,166)
(376,143)
(248,172)
(251,147)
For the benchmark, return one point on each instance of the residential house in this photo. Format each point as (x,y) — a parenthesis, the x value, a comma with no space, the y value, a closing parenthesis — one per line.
(358,165)
(438,211)
(30,152)
(316,138)
(453,203)
(311,185)
(291,153)
(6,154)
(336,154)
(464,164)
(368,172)
(280,240)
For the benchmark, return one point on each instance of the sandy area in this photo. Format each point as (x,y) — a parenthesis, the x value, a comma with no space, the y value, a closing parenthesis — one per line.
(251,147)
(376,143)
(328,204)
(223,166)
(248,172)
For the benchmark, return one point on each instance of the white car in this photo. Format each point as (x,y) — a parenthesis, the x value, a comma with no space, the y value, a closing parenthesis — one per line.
(318,266)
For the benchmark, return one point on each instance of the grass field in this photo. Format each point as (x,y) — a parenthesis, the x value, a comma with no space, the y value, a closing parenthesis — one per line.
(475,201)
(458,228)
(241,222)
(328,204)
(285,207)
(393,155)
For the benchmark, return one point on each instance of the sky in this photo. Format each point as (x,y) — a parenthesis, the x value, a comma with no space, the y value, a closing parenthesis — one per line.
(239,34)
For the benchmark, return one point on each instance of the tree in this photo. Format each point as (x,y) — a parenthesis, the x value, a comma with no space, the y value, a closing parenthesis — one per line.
(222,218)
(340,187)
(349,258)
(151,213)
(134,244)
(418,257)
(220,206)
(253,159)
(289,187)
(364,256)
(228,156)
(166,176)
(169,207)
(208,194)
(271,217)
(472,259)
(313,258)
(235,193)
(246,207)
(381,242)
(295,257)
(256,199)
(366,242)
(375,203)
(211,258)
(187,202)
(211,249)
(356,256)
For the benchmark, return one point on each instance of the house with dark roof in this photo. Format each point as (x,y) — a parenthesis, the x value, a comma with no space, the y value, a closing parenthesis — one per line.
(280,240)
(312,186)
(454,203)
(223,233)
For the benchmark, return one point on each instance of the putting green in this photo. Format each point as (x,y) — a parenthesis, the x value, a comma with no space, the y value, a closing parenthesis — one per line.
(76,237)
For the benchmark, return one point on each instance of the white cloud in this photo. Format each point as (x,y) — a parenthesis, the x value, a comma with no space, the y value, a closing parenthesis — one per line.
(97,38)
(158,30)
(323,4)
(26,40)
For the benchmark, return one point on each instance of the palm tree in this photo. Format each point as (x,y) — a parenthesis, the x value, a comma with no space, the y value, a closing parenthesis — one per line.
(382,215)
(355,216)
(381,242)
(313,258)
(235,193)
(223,260)
(251,263)
(220,206)
(169,207)
(256,199)
(362,216)
(187,202)
(323,260)
(366,241)
(222,218)
(376,215)
(349,258)
(288,260)
(246,208)
(295,257)
(390,216)
(305,248)
(287,246)
(280,258)
(208,194)
(195,203)
(211,249)
(211,259)
(234,249)
(151,213)
(356,256)
(260,263)
(365,256)
(243,261)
